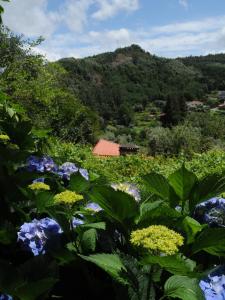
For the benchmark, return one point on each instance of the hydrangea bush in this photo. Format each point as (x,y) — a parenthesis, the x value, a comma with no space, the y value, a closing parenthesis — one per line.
(59,220)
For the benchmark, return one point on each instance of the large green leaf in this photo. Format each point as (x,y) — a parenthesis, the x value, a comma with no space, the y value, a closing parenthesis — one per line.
(210,186)
(99,225)
(116,204)
(183,287)
(151,211)
(78,183)
(175,264)
(88,240)
(32,290)
(211,240)
(182,182)
(44,200)
(157,184)
(147,208)
(191,228)
(110,263)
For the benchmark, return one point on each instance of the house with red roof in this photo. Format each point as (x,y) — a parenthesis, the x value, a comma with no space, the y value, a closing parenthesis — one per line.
(108,148)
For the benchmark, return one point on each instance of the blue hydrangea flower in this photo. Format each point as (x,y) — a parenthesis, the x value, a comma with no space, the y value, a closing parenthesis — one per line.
(128,188)
(41,164)
(84,173)
(5,297)
(93,206)
(67,169)
(211,212)
(213,286)
(76,222)
(35,234)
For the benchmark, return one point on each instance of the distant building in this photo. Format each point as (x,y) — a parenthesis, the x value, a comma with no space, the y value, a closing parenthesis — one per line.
(221,106)
(107,148)
(128,149)
(221,95)
(194,104)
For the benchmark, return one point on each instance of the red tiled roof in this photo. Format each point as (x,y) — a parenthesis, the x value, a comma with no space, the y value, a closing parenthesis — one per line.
(106,148)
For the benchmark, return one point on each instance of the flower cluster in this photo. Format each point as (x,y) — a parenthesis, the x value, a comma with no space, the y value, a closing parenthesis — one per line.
(39,186)
(42,164)
(4,138)
(5,297)
(67,169)
(211,212)
(35,234)
(157,239)
(68,197)
(46,164)
(214,285)
(128,188)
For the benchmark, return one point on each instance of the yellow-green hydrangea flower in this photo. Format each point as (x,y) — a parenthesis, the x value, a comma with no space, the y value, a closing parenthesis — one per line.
(157,239)
(39,186)
(68,197)
(4,138)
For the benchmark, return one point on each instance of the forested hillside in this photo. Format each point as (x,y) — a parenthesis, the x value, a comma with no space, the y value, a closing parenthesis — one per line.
(118,83)
(126,96)
(212,67)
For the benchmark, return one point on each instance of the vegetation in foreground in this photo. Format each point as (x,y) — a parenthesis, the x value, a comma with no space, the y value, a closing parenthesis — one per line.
(59,219)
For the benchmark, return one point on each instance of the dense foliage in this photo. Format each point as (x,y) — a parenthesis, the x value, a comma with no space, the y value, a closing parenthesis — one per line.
(36,84)
(58,220)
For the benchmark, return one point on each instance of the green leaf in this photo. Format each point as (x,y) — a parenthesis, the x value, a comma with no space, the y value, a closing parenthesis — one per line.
(99,225)
(147,208)
(88,241)
(110,263)
(183,287)
(44,200)
(33,290)
(182,182)
(153,210)
(175,264)
(78,183)
(191,227)
(10,278)
(157,184)
(209,187)
(116,204)
(211,240)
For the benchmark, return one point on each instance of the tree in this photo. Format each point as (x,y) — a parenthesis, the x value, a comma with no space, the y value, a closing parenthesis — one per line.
(175,110)
(2,10)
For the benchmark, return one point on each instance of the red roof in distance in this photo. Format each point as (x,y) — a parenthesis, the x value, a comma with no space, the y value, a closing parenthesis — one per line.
(106,148)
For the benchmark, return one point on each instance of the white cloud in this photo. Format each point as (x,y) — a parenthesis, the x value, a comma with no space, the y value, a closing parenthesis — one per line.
(75,14)
(109,8)
(30,17)
(74,18)
(184,3)
(197,37)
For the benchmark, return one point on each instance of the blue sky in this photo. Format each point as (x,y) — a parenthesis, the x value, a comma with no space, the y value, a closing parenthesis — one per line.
(80,28)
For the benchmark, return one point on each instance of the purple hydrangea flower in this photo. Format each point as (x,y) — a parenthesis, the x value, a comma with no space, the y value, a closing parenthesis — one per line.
(5,297)
(211,212)
(84,173)
(128,188)
(213,286)
(67,169)
(93,206)
(35,234)
(41,164)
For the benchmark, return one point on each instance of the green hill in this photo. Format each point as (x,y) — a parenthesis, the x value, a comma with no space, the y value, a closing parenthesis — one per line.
(117,84)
